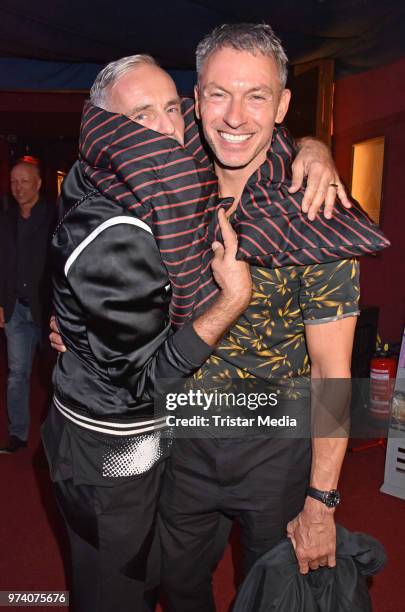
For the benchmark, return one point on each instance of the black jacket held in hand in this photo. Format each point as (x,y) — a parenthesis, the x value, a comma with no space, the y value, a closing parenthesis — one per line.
(275,584)
(111,296)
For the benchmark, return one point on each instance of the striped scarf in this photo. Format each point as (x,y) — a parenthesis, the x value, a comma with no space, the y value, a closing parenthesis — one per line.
(174,190)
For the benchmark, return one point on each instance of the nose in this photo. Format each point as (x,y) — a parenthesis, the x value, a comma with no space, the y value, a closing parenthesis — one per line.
(235,113)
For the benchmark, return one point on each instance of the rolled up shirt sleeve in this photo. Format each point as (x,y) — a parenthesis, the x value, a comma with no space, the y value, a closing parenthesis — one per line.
(330,291)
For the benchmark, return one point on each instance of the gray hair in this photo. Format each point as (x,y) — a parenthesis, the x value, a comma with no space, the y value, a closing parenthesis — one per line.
(110,74)
(250,37)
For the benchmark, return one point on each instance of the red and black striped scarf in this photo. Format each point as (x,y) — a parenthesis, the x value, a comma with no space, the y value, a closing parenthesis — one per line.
(174,190)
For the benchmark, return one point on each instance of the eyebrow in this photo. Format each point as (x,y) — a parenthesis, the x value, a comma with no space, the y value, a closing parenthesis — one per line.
(144,107)
(138,109)
(251,90)
(173,101)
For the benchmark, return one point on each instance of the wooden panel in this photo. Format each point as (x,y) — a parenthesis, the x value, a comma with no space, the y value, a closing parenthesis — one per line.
(311,108)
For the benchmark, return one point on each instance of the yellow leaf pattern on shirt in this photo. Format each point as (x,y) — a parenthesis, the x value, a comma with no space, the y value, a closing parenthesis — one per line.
(269,339)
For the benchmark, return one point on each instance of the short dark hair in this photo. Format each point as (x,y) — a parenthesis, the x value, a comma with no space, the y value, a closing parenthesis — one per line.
(250,37)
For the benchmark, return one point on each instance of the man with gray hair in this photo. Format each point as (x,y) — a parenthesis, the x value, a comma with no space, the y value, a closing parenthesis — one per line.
(111,297)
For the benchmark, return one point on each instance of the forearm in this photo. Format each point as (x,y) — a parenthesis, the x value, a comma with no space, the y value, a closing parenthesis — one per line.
(313,531)
(218,318)
(311,141)
(327,460)
(316,156)
(330,406)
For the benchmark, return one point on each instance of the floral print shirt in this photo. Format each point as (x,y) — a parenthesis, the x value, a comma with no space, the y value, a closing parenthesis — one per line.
(268,341)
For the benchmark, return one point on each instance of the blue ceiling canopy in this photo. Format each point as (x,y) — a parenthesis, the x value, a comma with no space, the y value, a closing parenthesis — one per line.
(63,44)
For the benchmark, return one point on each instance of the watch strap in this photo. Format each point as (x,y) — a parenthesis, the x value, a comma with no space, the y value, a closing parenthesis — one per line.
(330,498)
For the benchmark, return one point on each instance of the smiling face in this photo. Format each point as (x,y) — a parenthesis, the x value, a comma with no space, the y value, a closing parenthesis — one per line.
(25,184)
(148,95)
(239,98)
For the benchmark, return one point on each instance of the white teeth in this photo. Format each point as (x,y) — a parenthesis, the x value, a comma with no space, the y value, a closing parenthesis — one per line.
(234,137)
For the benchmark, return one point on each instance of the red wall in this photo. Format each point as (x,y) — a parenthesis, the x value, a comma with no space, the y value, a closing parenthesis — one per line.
(367,105)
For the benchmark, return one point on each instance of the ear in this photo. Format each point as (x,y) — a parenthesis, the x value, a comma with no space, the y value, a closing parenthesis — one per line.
(283,105)
(197,101)
(39,183)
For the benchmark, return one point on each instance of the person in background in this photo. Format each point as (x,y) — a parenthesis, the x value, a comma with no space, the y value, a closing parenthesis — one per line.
(24,291)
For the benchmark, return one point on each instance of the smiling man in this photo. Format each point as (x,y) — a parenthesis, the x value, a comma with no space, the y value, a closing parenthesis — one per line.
(296,314)
(239,97)
(239,103)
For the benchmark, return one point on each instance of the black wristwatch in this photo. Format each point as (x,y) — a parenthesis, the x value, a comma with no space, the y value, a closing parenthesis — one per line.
(331,498)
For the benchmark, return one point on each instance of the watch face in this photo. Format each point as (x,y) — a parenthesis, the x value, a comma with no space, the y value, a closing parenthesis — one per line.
(332,498)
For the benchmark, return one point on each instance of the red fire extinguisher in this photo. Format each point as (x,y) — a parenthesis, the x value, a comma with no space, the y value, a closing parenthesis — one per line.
(382,381)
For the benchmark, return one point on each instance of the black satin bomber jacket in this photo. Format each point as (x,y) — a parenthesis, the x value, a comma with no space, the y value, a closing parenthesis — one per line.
(111,297)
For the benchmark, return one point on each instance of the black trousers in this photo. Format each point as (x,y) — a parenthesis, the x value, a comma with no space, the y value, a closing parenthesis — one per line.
(111,532)
(261,483)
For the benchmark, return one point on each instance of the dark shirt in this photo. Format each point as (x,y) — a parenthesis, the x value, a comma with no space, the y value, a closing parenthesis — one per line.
(25,232)
(25,263)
